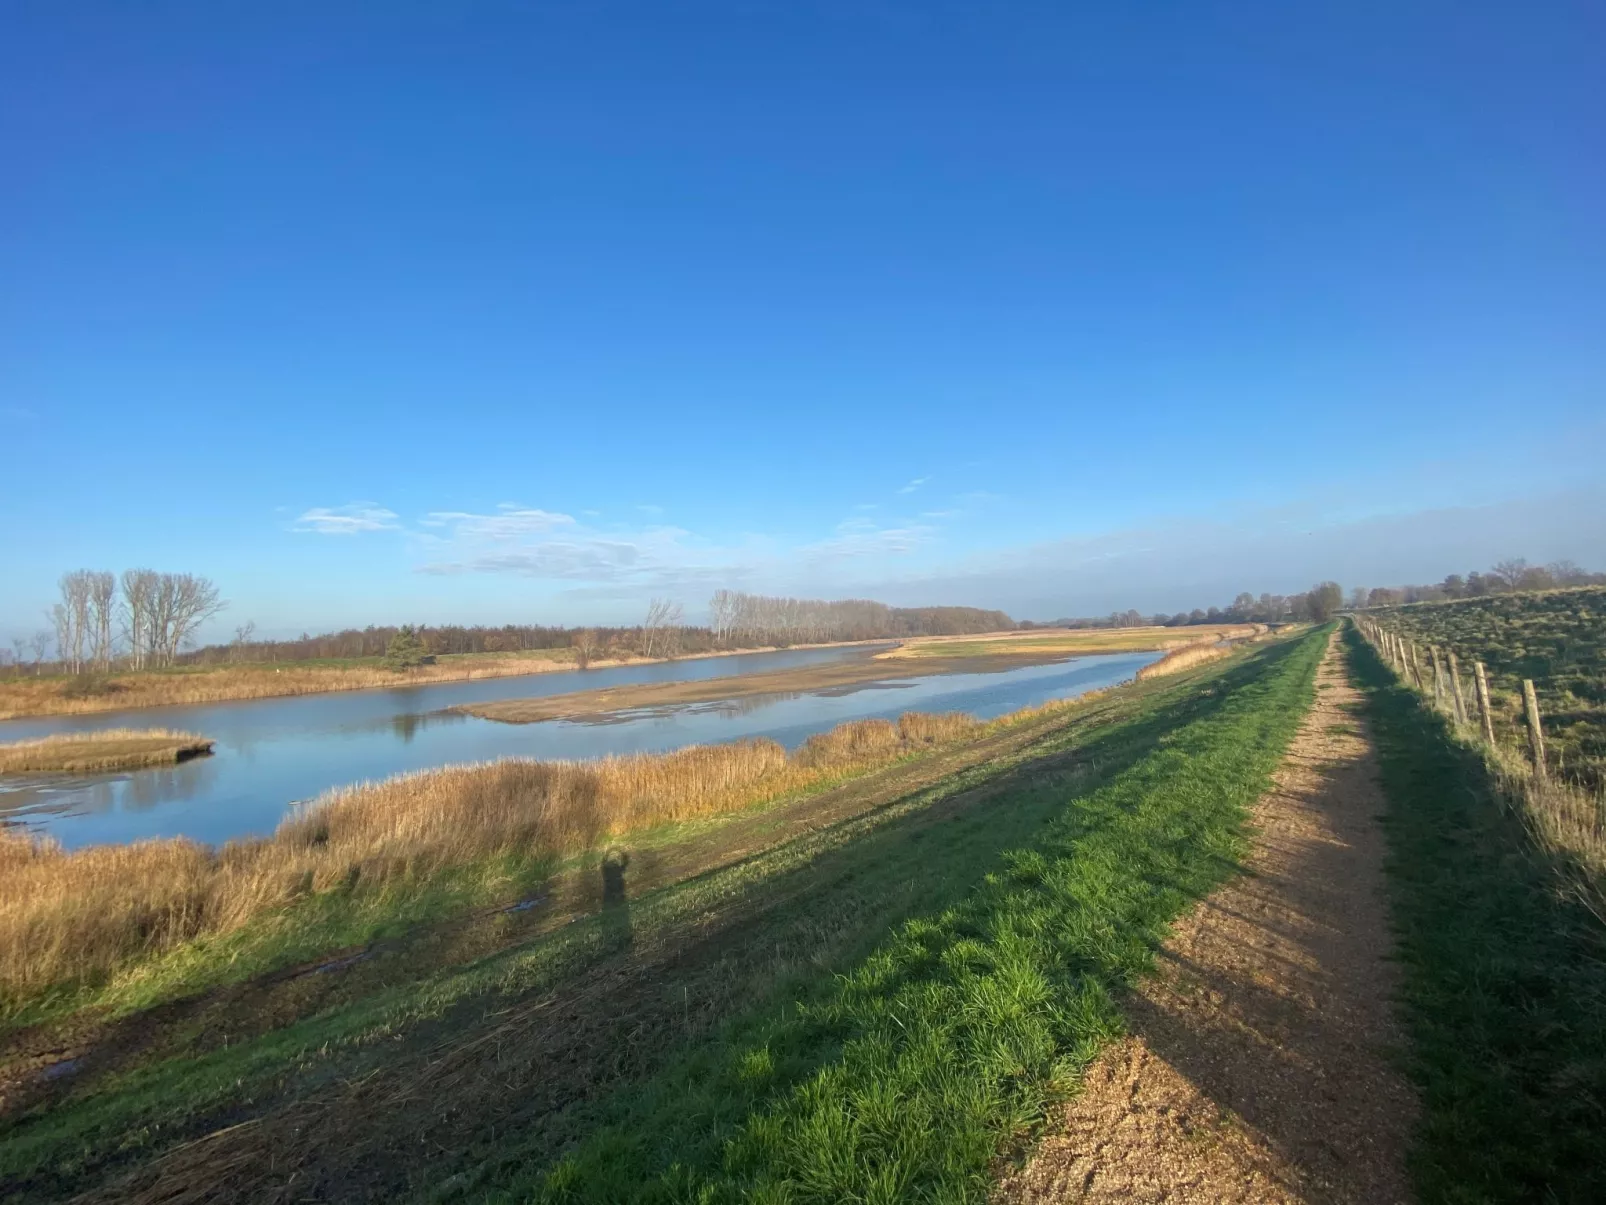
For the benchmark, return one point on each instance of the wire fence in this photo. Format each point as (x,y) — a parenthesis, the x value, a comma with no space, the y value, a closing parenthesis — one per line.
(1568,817)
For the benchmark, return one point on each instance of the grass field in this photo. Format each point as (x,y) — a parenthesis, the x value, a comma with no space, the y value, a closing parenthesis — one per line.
(1557,638)
(110,749)
(866,990)
(1504,965)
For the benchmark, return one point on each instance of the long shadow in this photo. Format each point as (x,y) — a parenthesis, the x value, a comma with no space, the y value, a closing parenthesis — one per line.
(1504,988)
(1264,1009)
(628,990)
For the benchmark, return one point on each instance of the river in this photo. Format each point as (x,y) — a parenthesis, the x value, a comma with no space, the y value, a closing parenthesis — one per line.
(272,753)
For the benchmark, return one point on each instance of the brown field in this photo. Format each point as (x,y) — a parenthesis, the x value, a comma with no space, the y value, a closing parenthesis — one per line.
(22,696)
(92,752)
(76,917)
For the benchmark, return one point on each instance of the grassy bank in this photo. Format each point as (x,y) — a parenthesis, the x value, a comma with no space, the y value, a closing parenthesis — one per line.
(906,1076)
(469,1058)
(110,749)
(69,922)
(1504,964)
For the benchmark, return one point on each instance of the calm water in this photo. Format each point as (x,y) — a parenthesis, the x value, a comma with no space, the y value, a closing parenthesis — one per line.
(272,753)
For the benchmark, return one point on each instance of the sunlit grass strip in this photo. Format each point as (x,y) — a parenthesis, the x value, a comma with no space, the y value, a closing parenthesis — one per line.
(1504,989)
(906,1078)
(110,749)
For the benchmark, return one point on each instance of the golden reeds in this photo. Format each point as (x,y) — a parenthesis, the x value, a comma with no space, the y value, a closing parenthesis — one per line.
(80,916)
(1183,658)
(56,696)
(109,749)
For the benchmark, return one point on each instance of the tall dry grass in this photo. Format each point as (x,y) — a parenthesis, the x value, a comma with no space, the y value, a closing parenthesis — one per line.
(1183,658)
(108,749)
(79,917)
(65,696)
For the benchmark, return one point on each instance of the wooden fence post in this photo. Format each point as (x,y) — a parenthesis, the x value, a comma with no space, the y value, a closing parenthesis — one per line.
(1416,666)
(1438,677)
(1481,680)
(1455,686)
(1536,734)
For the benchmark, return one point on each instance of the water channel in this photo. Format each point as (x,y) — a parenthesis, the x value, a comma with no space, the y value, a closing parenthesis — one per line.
(272,753)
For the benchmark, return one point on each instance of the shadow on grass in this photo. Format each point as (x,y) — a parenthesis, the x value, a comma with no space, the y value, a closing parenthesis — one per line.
(1505,973)
(517,1078)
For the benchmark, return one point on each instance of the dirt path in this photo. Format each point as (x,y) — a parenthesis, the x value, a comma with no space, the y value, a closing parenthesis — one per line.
(1259,1067)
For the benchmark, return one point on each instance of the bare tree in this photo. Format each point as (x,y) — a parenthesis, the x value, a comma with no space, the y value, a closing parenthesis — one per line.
(19,649)
(585,646)
(100,589)
(1511,571)
(39,645)
(139,592)
(70,617)
(722,609)
(241,644)
(185,602)
(662,614)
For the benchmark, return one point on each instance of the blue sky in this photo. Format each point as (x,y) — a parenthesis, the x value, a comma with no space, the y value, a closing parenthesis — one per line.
(525,312)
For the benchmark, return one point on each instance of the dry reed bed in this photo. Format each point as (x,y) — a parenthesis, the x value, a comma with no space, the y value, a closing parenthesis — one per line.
(1184,658)
(21,697)
(110,749)
(78,917)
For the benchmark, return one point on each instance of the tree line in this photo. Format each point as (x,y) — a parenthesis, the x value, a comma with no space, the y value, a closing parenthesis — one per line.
(737,617)
(140,620)
(1504,577)
(1316,605)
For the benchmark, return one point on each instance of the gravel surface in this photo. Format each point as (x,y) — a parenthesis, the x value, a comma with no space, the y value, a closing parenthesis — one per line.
(1259,1066)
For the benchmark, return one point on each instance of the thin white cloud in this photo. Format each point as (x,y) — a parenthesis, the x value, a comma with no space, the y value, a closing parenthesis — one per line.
(939,514)
(913,485)
(510,522)
(348,520)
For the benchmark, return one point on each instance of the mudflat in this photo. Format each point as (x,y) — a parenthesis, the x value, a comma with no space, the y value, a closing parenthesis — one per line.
(806,679)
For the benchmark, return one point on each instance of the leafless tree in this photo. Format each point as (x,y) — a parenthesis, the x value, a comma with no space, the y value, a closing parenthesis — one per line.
(139,592)
(1511,571)
(101,596)
(19,650)
(722,615)
(240,646)
(184,602)
(585,646)
(662,614)
(70,617)
(39,645)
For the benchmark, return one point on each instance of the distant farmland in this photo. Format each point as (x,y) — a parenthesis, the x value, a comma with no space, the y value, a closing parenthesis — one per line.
(1557,638)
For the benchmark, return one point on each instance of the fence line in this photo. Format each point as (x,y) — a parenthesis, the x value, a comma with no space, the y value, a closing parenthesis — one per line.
(1567,815)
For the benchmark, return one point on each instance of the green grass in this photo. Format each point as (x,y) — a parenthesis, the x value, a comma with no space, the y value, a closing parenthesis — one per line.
(1504,990)
(1557,638)
(966,959)
(905,1077)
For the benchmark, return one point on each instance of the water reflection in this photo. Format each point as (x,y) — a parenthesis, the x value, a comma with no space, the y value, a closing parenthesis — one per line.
(269,754)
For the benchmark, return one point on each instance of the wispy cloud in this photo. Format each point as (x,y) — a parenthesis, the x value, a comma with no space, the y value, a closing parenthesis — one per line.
(913,485)
(509,521)
(348,520)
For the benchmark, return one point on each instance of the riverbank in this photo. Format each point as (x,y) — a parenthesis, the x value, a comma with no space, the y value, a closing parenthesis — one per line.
(679,985)
(100,752)
(23,698)
(919,658)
